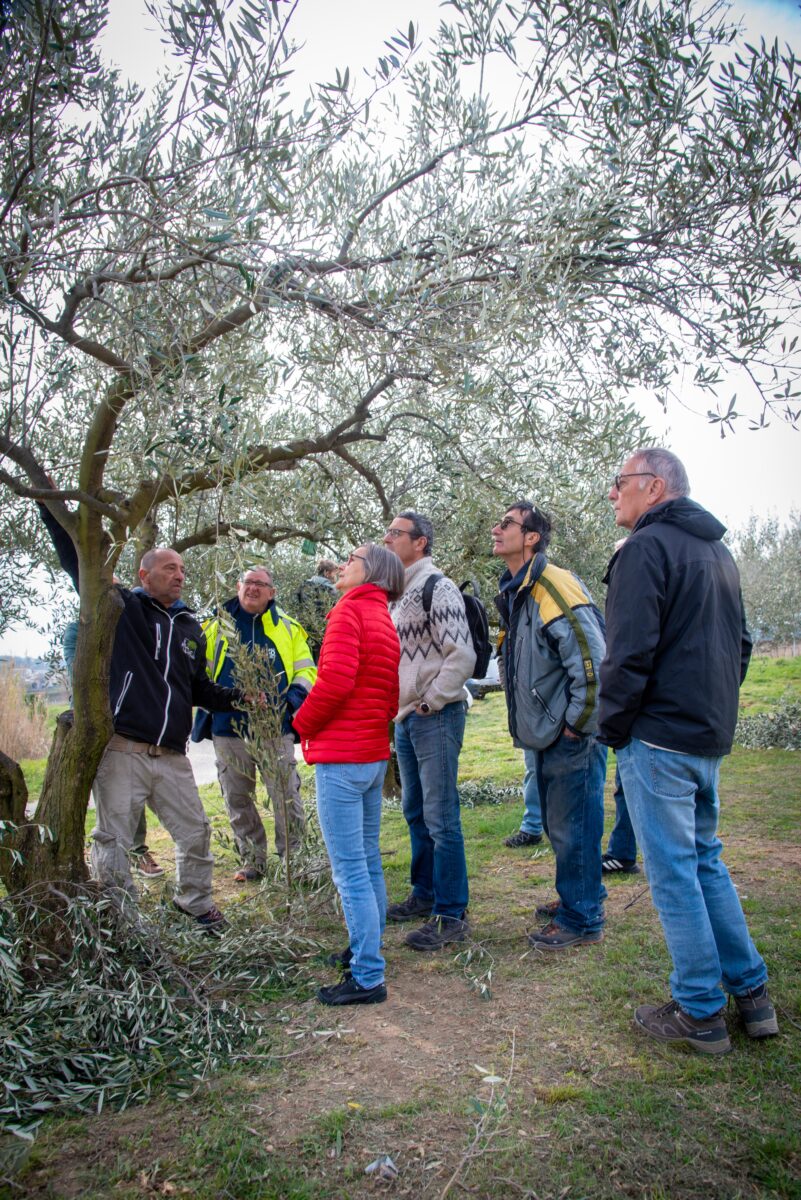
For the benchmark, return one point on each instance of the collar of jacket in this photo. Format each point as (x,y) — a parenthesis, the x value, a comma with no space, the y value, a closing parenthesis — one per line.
(362,589)
(176,606)
(693,518)
(515,588)
(233,607)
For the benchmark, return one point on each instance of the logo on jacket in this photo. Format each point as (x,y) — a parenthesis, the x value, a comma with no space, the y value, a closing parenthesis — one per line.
(189,647)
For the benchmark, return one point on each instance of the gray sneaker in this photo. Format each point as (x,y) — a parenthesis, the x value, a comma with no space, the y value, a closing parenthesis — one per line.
(409,909)
(437,932)
(670,1023)
(757,1012)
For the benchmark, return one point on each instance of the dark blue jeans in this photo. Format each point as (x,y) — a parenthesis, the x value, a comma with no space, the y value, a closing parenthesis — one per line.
(570,775)
(428,758)
(622,842)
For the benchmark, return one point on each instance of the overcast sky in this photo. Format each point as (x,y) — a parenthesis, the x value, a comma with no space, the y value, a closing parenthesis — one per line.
(733,476)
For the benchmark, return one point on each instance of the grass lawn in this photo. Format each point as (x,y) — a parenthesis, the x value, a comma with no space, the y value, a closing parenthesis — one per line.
(585,1106)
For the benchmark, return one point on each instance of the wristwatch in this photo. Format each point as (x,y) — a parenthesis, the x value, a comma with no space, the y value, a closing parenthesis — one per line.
(424,708)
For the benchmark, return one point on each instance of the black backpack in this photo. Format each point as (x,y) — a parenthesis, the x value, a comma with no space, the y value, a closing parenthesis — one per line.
(476,619)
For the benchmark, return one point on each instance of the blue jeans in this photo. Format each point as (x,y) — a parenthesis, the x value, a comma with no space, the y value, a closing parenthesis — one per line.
(673,802)
(571,775)
(532,817)
(349,808)
(622,842)
(428,758)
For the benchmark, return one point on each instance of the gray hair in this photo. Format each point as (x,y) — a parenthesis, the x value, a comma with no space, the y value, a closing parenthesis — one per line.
(665,465)
(422,528)
(384,569)
(249,570)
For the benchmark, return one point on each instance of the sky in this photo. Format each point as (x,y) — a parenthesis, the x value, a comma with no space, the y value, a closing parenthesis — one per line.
(732,476)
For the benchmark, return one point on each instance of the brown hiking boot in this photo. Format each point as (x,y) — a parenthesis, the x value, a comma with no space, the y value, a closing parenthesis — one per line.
(670,1023)
(146,865)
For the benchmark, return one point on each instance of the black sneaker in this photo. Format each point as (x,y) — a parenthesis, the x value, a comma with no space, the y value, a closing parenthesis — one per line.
(547,912)
(409,908)
(521,838)
(620,866)
(437,932)
(348,991)
(759,1015)
(211,921)
(342,958)
(556,937)
(671,1024)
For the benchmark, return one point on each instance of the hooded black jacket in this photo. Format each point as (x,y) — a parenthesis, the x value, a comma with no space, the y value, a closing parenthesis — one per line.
(158,664)
(677,647)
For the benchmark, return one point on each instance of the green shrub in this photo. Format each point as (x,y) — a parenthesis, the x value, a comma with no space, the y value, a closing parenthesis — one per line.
(779,727)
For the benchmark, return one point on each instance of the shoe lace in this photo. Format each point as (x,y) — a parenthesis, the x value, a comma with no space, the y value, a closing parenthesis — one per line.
(672,1006)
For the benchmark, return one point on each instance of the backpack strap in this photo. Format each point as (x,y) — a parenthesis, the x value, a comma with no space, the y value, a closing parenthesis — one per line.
(428,596)
(583,644)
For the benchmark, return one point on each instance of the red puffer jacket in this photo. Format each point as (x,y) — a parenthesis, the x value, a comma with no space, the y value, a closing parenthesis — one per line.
(345,718)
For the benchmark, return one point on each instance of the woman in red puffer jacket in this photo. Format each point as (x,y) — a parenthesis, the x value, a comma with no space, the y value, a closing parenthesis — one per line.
(344,730)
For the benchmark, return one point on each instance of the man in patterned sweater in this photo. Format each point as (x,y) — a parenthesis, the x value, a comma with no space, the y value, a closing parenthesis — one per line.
(437,657)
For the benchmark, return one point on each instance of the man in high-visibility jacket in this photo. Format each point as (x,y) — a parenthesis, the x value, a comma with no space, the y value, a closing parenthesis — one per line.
(259,621)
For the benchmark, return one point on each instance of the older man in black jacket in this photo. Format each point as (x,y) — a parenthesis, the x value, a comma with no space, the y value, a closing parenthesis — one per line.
(677,651)
(158,671)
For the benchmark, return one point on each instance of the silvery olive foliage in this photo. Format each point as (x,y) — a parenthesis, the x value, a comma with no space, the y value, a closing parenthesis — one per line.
(778,728)
(768,556)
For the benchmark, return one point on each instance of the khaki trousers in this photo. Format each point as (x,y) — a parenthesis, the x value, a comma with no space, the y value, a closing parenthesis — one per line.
(236,771)
(127,780)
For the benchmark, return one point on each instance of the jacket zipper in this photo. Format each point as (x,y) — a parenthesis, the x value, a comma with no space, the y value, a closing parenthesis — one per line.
(126,683)
(158,641)
(166,673)
(545,707)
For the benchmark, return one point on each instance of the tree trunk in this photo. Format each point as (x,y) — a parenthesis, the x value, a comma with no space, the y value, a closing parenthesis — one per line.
(77,748)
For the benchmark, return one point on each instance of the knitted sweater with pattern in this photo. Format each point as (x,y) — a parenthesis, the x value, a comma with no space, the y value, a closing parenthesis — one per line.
(437,654)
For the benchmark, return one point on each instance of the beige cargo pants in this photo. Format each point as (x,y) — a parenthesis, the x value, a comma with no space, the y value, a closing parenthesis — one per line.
(131,775)
(236,771)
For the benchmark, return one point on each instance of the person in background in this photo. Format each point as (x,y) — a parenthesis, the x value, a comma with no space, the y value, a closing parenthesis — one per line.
(315,597)
(344,731)
(258,622)
(530,831)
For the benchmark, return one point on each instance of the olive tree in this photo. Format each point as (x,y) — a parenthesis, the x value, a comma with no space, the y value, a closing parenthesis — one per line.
(221,299)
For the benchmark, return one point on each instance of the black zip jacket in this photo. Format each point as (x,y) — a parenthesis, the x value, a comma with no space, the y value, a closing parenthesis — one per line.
(677,647)
(158,664)
(158,672)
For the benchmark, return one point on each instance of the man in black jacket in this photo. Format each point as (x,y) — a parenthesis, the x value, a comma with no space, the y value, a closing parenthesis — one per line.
(158,672)
(677,652)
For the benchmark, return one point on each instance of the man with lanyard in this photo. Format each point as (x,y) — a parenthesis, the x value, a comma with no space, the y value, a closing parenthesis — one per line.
(257,621)
(550,650)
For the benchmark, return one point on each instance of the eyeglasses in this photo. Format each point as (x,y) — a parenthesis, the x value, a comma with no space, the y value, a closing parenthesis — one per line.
(352,558)
(259,584)
(616,482)
(507,521)
(392,532)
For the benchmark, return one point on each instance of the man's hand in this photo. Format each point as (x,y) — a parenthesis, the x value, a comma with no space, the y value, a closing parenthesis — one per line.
(568,733)
(422,709)
(258,700)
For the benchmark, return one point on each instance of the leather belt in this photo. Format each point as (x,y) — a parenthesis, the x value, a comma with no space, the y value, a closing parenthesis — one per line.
(129,746)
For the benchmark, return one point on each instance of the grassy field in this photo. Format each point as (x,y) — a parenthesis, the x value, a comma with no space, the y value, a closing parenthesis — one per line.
(582,1106)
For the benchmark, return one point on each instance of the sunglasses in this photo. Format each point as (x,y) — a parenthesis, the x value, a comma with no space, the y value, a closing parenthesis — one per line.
(507,521)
